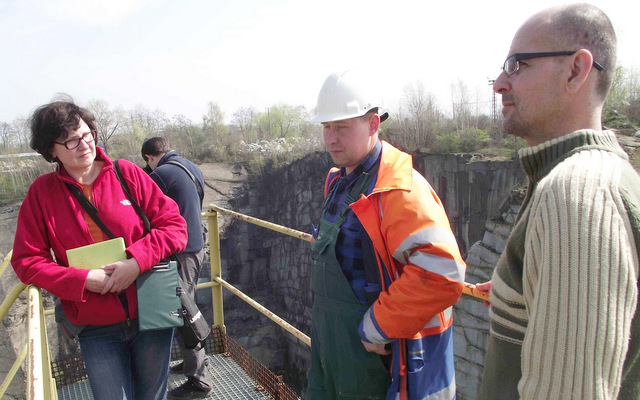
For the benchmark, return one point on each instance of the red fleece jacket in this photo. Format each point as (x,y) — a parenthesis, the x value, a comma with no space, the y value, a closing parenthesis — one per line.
(51,220)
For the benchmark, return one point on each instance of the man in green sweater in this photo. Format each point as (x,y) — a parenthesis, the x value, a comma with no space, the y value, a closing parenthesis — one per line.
(564,294)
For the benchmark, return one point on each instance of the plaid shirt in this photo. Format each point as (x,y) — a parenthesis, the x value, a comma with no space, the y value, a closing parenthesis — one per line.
(349,245)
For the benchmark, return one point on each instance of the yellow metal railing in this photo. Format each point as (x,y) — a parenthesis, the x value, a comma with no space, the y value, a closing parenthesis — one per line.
(284,324)
(217,282)
(11,297)
(216,270)
(4,308)
(264,224)
(41,385)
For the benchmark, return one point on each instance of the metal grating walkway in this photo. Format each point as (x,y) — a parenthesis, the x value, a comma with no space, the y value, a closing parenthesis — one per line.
(230,383)
(235,374)
(229,380)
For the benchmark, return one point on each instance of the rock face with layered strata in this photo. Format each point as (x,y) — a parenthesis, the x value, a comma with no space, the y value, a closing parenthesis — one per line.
(471,317)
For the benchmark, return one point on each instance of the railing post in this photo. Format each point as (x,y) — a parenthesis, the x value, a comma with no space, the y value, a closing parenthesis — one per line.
(39,385)
(216,270)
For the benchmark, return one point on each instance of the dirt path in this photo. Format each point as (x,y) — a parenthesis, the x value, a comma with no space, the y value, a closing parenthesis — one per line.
(221,181)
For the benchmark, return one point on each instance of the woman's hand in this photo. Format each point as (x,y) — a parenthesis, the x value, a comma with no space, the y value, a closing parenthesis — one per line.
(121,275)
(96,280)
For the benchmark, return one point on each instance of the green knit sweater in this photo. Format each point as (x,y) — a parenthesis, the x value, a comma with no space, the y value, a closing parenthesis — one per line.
(565,290)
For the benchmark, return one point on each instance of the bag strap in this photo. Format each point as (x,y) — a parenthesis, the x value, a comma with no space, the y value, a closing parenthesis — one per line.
(193,178)
(89,208)
(93,211)
(134,203)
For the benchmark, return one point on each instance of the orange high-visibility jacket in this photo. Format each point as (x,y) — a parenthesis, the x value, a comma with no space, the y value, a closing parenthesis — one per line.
(412,236)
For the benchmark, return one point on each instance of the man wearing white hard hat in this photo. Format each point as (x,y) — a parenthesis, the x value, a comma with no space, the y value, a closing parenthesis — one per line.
(386,267)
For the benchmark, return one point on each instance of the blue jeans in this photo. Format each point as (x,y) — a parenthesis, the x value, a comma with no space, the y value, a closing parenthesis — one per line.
(125,364)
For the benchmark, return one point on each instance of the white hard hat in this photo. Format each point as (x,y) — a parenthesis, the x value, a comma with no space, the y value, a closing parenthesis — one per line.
(346,95)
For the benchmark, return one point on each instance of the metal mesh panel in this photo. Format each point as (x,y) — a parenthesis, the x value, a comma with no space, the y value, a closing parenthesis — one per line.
(68,370)
(268,381)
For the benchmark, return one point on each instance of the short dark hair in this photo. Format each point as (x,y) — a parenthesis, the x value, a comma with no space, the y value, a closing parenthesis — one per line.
(376,110)
(154,147)
(369,113)
(584,26)
(54,121)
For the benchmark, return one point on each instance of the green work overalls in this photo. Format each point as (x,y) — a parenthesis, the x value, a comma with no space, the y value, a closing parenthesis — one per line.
(340,368)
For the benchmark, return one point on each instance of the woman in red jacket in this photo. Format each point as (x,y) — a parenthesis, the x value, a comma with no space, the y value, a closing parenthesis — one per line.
(121,361)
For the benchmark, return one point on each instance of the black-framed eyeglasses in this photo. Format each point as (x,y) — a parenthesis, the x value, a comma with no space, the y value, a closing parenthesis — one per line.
(512,63)
(73,143)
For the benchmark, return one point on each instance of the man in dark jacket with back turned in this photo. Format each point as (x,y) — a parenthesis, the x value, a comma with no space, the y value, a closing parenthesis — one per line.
(186,189)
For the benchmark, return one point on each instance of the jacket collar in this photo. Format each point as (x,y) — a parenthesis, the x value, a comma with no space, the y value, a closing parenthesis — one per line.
(169,155)
(396,169)
(62,174)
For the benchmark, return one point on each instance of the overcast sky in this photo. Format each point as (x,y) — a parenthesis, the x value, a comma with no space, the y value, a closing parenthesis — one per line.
(177,56)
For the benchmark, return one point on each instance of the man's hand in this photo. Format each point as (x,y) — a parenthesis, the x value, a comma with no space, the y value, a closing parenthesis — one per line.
(376,348)
(484,287)
(122,274)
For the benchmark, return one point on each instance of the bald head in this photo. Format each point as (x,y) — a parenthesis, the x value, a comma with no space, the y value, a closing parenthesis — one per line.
(550,84)
(580,26)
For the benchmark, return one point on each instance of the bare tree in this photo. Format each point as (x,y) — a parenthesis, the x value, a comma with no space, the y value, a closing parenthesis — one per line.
(417,121)
(423,114)
(147,123)
(22,132)
(462,106)
(107,121)
(285,119)
(185,137)
(262,122)
(243,121)
(6,137)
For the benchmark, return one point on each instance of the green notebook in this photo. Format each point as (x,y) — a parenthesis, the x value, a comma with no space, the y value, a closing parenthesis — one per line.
(98,254)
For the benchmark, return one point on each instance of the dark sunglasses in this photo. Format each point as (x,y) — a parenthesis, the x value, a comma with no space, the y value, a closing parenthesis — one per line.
(512,63)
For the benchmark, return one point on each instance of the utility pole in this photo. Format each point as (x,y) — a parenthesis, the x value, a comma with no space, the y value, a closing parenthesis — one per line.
(494,113)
